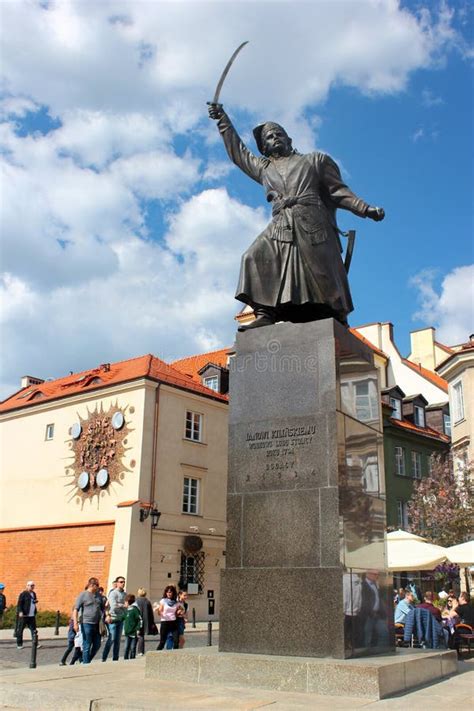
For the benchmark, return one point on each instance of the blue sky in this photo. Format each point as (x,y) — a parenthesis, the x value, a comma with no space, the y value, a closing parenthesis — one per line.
(123,221)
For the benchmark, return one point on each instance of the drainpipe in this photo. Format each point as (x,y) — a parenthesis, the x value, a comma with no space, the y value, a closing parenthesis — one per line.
(154,450)
(155,443)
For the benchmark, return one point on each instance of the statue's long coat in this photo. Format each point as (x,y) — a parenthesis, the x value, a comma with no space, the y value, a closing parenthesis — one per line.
(296,260)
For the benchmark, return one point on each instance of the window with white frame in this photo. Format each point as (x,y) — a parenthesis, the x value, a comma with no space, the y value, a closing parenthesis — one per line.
(419,413)
(402,514)
(458,402)
(49,434)
(447,425)
(366,400)
(416,465)
(396,405)
(193,429)
(212,382)
(191,495)
(400,461)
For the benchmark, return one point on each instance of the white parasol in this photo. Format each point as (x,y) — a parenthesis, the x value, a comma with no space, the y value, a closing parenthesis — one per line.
(406,551)
(462,554)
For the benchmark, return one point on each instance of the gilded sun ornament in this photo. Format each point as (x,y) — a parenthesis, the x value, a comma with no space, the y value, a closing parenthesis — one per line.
(98,447)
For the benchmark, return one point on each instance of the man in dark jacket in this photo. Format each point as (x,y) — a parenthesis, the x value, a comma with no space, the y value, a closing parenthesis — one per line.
(373,611)
(26,610)
(293,271)
(3,602)
(465,610)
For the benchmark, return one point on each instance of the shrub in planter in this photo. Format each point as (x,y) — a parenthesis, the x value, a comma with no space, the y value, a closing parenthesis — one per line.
(44,618)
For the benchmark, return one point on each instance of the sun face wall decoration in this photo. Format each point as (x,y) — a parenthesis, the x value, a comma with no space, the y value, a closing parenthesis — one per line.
(98,443)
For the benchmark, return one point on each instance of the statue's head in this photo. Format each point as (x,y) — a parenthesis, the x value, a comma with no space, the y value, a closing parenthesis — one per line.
(272,139)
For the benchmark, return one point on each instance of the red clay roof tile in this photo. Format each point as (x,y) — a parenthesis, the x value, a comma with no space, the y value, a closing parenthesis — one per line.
(193,364)
(147,366)
(426,431)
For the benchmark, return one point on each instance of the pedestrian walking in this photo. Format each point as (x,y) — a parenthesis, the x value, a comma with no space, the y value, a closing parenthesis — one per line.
(148,620)
(27,607)
(71,635)
(88,607)
(114,619)
(168,608)
(182,619)
(3,603)
(131,625)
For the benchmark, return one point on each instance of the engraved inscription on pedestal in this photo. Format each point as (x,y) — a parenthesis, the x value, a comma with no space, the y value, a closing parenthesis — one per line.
(279,454)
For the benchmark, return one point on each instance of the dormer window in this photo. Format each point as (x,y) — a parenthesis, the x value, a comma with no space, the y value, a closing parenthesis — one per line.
(215,377)
(419,415)
(396,405)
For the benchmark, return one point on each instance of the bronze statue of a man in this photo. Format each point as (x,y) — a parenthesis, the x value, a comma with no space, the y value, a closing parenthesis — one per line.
(293,271)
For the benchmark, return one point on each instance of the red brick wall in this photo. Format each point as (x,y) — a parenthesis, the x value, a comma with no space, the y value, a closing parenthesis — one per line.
(57,558)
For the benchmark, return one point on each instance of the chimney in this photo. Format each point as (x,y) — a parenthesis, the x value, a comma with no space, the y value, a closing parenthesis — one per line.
(28,380)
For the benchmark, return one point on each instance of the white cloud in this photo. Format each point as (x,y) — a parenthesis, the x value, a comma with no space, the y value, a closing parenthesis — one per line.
(126,84)
(451,306)
(79,57)
(168,298)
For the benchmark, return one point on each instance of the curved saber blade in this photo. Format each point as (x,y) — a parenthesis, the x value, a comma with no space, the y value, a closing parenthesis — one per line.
(225,73)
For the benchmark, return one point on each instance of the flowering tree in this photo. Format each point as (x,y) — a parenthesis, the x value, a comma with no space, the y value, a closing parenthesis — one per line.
(442,504)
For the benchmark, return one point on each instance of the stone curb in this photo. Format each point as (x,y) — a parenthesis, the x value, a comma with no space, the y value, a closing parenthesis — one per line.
(47,633)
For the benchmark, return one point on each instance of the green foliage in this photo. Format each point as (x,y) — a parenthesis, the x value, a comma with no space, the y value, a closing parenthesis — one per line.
(44,618)
(442,504)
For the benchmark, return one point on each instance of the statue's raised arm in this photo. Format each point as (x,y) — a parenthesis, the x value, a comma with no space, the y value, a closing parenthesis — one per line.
(236,148)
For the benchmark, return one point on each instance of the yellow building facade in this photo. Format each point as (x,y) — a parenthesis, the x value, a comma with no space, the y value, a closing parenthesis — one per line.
(85,462)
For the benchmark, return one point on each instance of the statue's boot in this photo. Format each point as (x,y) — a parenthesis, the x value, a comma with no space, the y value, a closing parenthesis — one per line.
(265,317)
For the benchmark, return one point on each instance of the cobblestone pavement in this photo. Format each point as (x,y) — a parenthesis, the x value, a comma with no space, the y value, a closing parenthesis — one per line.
(52,650)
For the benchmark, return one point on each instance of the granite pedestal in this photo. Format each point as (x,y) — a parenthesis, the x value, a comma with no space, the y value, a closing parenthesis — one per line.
(371,678)
(305,558)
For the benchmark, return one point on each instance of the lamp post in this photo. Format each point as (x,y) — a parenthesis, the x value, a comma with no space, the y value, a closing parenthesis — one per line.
(150,511)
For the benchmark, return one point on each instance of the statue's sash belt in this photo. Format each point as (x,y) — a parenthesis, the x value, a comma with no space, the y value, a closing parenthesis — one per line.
(282,225)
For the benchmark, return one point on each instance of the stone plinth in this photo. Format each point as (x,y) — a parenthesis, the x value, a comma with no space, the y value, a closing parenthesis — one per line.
(371,678)
(306,509)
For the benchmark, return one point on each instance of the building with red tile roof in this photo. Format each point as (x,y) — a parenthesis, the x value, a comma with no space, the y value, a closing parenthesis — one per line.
(87,463)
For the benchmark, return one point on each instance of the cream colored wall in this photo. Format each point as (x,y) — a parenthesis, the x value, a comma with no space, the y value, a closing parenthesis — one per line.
(33,478)
(463,431)
(424,349)
(380,334)
(177,457)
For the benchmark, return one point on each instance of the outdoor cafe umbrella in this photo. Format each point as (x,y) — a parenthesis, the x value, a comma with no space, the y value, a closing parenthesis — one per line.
(462,554)
(407,551)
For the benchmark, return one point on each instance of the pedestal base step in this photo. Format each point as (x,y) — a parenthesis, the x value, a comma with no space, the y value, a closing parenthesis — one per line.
(370,677)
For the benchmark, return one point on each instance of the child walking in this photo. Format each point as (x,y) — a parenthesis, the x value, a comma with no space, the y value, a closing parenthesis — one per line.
(131,625)
(77,656)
